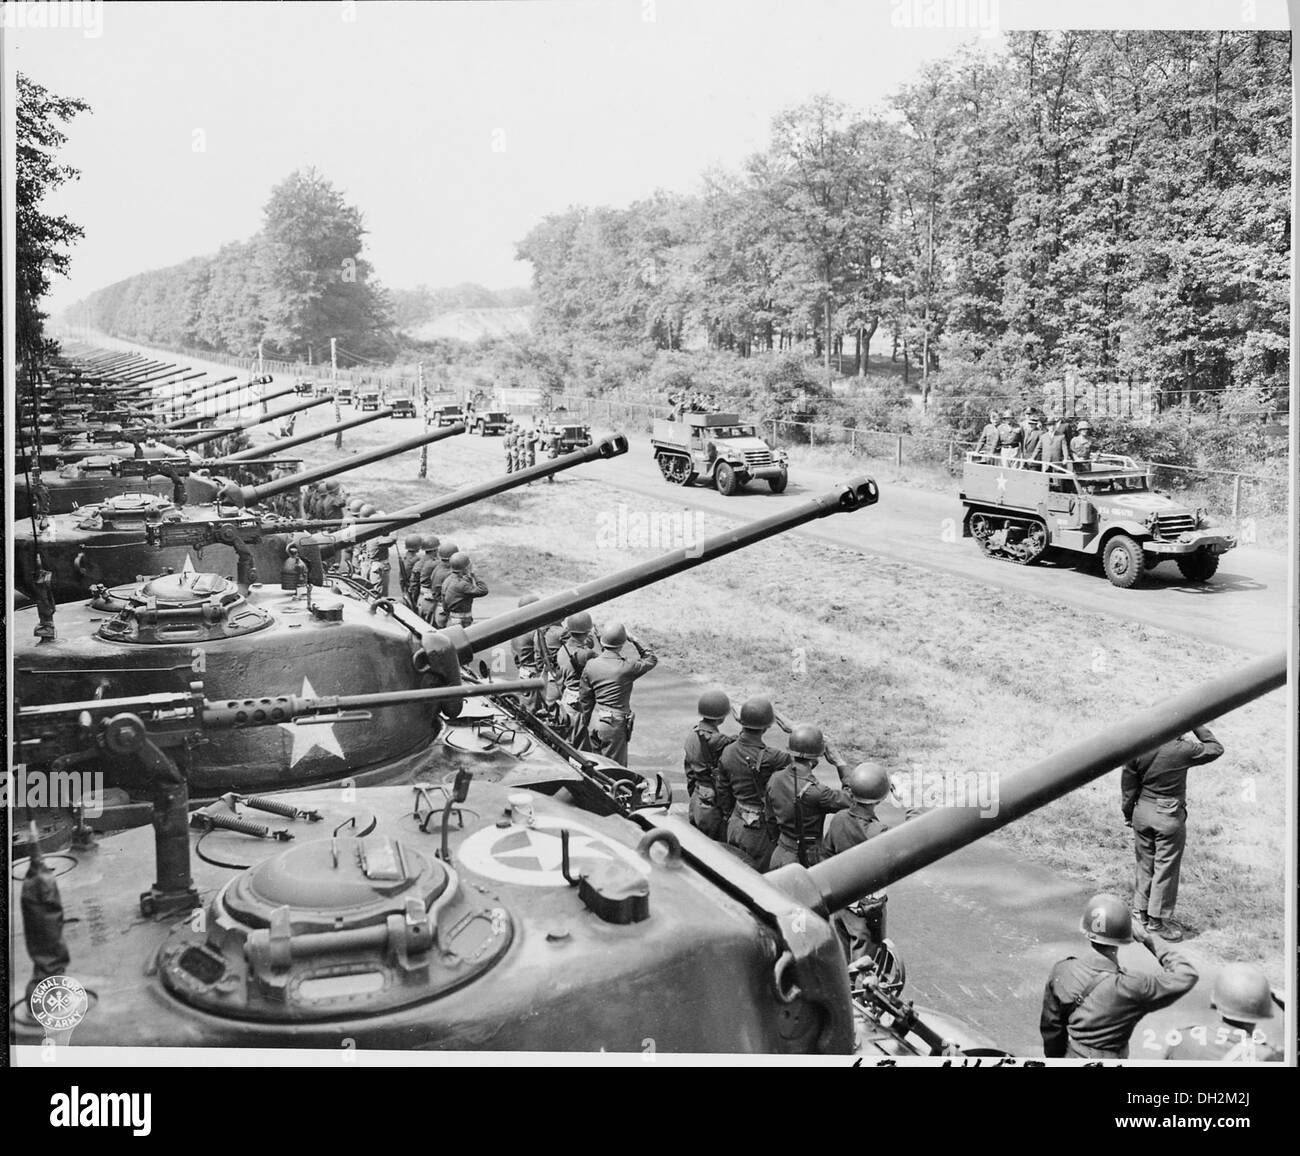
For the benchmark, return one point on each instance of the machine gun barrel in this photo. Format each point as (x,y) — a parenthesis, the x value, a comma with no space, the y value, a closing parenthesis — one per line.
(609,447)
(855,494)
(208,435)
(186,422)
(840,880)
(247,495)
(256,452)
(250,528)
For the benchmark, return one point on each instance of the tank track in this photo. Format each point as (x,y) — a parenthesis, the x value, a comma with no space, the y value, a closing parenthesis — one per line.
(1019,540)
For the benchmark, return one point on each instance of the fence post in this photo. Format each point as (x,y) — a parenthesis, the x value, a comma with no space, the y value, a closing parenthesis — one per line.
(898,451)
(853,441)
(1236,498)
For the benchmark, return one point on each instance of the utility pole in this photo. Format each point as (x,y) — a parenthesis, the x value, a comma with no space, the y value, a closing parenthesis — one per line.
(424,414)
(334,389)
(265,409)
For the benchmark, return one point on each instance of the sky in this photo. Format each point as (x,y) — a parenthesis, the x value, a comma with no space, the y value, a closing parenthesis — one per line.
(456,127)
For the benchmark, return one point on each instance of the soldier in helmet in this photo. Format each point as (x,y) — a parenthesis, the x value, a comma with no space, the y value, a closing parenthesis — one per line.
(1083,446)
(704,747)
(435,571)
(554,441)
(509,443)
(427,556)
(743,772)
(1010,435)
(412,544)
(1091,1006)
(1153,790)
(459,590)
(605,692)
(796,804)
(577,648)
(526,651)
(1242,997)
(333,503)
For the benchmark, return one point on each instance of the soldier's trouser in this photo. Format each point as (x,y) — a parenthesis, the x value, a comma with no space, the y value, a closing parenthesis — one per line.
(424,608)
(1159,836)
(752,844)
(781,855)
(1077,1051)
(609,735)
(705,816)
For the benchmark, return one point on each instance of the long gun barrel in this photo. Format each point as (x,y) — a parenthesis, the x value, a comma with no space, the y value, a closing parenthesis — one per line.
(247,495)
(855,494)
(186,422)
(256,452)
(609,447)
(209,435)
(192,393)
(842,879)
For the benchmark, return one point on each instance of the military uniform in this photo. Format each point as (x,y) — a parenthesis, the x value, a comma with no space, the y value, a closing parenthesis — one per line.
(990,441)
(457,601)
(1081,447)
(433,574)
(510,451)
(1223,1043)
(1010,437)
(1091,1006)
(796,807)
(605,693)
(742,776)
(855,923)
(1154,799)
(704,746)
(570,660)
(530,446)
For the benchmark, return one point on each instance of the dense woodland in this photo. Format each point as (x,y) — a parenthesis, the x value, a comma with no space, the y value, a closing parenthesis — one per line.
(1114,204)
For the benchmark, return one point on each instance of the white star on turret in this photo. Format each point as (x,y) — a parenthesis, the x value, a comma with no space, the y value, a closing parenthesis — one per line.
(311,736)
(1002,483)
(546,850)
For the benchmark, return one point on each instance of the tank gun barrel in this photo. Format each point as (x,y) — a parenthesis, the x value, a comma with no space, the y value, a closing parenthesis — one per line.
(256,452)
(854,494)
(609,447)
(186,422)
(247,495)
(195,390)
(209,435)
(840,880)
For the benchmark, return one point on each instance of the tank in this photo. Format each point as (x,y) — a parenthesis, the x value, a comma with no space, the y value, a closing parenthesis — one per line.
(337,639)
(468,912)
(107,544)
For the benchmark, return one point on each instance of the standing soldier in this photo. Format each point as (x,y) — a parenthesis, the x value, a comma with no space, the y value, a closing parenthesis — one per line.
(990,440)
(1010,437)
(795,803)
(1242,997)
(533,436)
(1154,802)
(1031,447)
(1091,1006)
(435,571)
(577,648)
(704,746)
(743,772)
(1056,443)
(860,926)
(605,692)
(333,503)
(1081,448)
(459,590)
(527,653)
(509,443)
(554,439)
(427,556)
(412,544)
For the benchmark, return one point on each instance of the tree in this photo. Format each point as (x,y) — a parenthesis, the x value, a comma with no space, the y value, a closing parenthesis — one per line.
(42,239)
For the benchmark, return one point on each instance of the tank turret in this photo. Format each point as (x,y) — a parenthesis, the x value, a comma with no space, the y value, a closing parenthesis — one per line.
(464,912)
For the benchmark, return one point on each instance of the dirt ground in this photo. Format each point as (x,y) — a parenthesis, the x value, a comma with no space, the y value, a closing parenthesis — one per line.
(910,667)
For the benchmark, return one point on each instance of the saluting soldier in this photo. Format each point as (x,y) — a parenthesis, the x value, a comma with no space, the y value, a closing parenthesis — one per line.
(605,692)
(1153,791)
(1092,1005)
(743,772)
(704,747)
(459,590)
(1242,997)
(531,439)
(435,571)
(795,803)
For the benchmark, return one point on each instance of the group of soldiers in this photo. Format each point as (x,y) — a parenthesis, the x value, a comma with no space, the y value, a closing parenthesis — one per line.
(1035,439)
(439,581)
(522,444)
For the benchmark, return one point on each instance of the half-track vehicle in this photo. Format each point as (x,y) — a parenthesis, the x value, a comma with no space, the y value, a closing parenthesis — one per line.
(719,447)
(1105,508)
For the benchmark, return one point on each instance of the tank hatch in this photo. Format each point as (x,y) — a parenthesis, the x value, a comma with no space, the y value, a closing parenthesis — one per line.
(126,511)
(186,607)
(336,927)
(95,464)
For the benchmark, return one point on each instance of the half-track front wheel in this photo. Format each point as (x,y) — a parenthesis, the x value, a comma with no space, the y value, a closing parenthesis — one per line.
(1198,567)
(1123,561)
(726,480)
(779,483)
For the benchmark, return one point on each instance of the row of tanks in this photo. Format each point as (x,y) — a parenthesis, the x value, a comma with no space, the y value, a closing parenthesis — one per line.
(324,824)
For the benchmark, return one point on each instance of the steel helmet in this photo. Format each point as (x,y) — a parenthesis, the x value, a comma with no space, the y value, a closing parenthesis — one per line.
(757,714)
(459,562)
(579,623)
(354,504)
(1085,424)
(413,542)
(429,542)
(446,550)
(368,511)
(868,783)
(332,486)
(1107,919)
(807,741)
(528,598)
(714,705)
(1006,413)
(613,636)
(1241,992)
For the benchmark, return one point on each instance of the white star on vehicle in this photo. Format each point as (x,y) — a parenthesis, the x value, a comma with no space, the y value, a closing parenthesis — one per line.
(189,567)
(312,736)
(1002,483)
(548,852)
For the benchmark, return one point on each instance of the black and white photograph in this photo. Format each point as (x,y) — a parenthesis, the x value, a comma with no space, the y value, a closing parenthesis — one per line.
(650,533)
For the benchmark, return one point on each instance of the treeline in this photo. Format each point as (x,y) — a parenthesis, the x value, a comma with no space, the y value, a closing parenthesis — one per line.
(300,281)
(413,307)
(1111,206)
